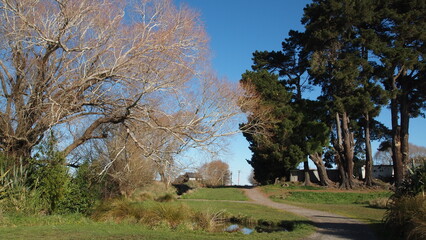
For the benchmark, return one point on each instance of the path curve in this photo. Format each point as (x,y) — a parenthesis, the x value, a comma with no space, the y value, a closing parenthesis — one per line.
(329,226)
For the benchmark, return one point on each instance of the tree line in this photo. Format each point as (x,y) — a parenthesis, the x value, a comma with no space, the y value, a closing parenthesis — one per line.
(364,56)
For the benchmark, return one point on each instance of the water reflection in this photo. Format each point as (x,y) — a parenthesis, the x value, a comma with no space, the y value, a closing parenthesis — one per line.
(238,228)
(249,230)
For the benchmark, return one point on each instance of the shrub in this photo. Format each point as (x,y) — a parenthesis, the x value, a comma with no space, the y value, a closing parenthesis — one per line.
(414,183)
(172,214)
(52,181)
(83,192)
(380,203)
(406,217)
(15,193)
(209,220)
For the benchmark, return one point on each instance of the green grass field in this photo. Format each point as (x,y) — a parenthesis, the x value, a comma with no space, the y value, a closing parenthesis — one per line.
(230,194)
(80,227)
(352,204)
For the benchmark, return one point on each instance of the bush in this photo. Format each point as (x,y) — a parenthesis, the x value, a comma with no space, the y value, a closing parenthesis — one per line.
(83,192)
(380,203)
(414,184)
(15,193)
(52,182)
(406,217)
(209,220)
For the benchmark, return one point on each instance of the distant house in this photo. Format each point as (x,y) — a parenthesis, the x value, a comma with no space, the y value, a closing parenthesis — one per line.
(193,176)
(189,176)
(298,175)
(383,172)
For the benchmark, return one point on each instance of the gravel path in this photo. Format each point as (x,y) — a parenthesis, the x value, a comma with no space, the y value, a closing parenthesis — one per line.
(329,226)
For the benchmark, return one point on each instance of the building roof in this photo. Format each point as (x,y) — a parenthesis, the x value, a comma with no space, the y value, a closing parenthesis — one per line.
(192,175)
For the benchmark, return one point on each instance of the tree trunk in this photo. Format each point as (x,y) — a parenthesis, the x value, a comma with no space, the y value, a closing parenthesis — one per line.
(338,146)
(396,144)
(405,119)
(342,174)
(348,147)
(322,171)
(344,148)
(307,181)
(368,153)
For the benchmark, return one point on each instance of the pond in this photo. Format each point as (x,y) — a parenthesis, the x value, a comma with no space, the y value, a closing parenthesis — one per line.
(260,228)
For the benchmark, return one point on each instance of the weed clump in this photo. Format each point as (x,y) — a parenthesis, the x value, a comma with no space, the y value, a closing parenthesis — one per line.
(382,203)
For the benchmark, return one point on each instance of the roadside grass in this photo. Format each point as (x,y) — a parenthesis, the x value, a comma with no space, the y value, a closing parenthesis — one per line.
(227,193)
(353,204)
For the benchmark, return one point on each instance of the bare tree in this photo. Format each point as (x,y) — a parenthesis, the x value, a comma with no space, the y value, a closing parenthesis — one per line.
(417,155)
(215,173)
(89,61)
(251,179)
(124,165)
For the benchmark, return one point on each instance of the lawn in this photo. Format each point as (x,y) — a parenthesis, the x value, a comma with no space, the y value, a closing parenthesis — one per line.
(352,204)
(229,194)
(80,227)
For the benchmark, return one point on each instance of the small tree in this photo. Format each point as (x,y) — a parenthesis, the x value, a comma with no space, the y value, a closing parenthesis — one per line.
(50,177)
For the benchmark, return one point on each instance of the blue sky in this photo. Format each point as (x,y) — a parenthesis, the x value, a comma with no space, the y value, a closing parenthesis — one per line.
(237,28)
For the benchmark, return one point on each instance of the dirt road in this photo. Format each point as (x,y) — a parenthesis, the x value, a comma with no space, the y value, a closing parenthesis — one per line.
(329,226)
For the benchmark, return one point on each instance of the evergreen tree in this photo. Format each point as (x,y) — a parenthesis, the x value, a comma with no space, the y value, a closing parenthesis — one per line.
(291,64)
(397,38)
(340,65)
(273,154)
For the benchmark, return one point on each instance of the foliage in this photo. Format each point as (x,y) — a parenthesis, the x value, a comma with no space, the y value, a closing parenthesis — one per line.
(15,193)
(83,192)
(273,155)
(52,182)
(414,184)
(50,176)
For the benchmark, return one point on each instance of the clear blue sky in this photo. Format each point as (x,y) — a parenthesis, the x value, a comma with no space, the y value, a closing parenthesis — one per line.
(237,28)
